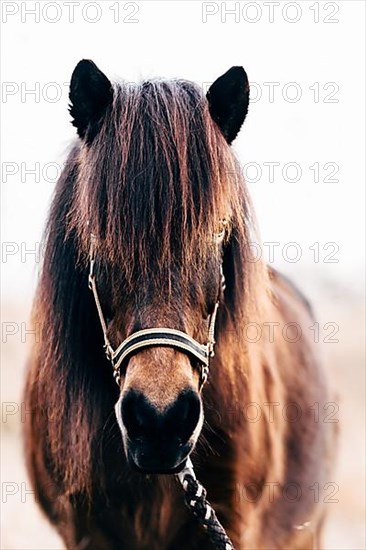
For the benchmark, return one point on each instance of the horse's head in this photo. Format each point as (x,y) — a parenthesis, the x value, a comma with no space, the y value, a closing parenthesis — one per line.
(156,180)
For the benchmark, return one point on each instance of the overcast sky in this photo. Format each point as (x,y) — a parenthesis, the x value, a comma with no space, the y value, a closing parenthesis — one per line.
(306,120)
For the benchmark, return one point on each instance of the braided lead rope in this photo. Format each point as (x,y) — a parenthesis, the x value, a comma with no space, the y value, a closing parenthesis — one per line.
(195,498)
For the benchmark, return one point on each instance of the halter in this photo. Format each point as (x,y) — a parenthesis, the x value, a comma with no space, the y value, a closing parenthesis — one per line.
(159,336)
(195,494)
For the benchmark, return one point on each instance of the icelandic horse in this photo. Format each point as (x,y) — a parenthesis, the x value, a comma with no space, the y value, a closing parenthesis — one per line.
(152,214)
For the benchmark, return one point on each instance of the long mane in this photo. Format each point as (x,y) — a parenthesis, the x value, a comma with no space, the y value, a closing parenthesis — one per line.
(152,186)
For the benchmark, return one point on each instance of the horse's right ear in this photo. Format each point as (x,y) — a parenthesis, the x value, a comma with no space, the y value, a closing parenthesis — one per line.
(90,95)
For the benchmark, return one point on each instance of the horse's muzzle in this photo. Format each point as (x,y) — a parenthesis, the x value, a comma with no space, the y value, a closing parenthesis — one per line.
(158,441)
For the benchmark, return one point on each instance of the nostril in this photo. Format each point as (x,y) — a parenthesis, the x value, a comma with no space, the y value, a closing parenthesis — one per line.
(183,417)
(138,416)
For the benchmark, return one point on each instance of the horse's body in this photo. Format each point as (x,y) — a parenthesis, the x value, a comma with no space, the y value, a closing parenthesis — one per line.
(262,451)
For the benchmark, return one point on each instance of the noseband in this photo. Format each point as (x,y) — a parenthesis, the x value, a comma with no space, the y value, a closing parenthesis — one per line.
(159,336)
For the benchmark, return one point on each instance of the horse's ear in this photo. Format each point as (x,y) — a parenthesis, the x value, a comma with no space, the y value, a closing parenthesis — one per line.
(90,94)
(228,100)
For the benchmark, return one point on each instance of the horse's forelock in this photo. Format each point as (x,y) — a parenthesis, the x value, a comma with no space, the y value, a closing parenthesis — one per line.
(155,182)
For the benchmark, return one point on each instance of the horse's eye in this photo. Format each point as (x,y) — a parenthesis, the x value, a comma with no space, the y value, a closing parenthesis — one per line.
(222,228)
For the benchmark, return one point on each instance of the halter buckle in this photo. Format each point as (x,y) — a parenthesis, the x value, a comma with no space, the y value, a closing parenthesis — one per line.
(211,348)
(203,376)
(117,376)
(108,352)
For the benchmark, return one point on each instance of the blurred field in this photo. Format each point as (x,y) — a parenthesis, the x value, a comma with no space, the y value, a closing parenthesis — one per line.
(23,527)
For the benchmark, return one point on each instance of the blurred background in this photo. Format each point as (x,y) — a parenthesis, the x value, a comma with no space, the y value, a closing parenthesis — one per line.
(301,148)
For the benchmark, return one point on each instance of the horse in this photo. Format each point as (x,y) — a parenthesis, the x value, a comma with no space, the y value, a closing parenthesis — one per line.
(148,259)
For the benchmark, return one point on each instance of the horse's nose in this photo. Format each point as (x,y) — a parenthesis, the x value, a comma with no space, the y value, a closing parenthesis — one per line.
(143,419)
(159,439)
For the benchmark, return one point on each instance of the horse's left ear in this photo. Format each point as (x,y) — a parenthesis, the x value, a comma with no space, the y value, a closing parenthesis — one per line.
(228,100)
(90,95)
